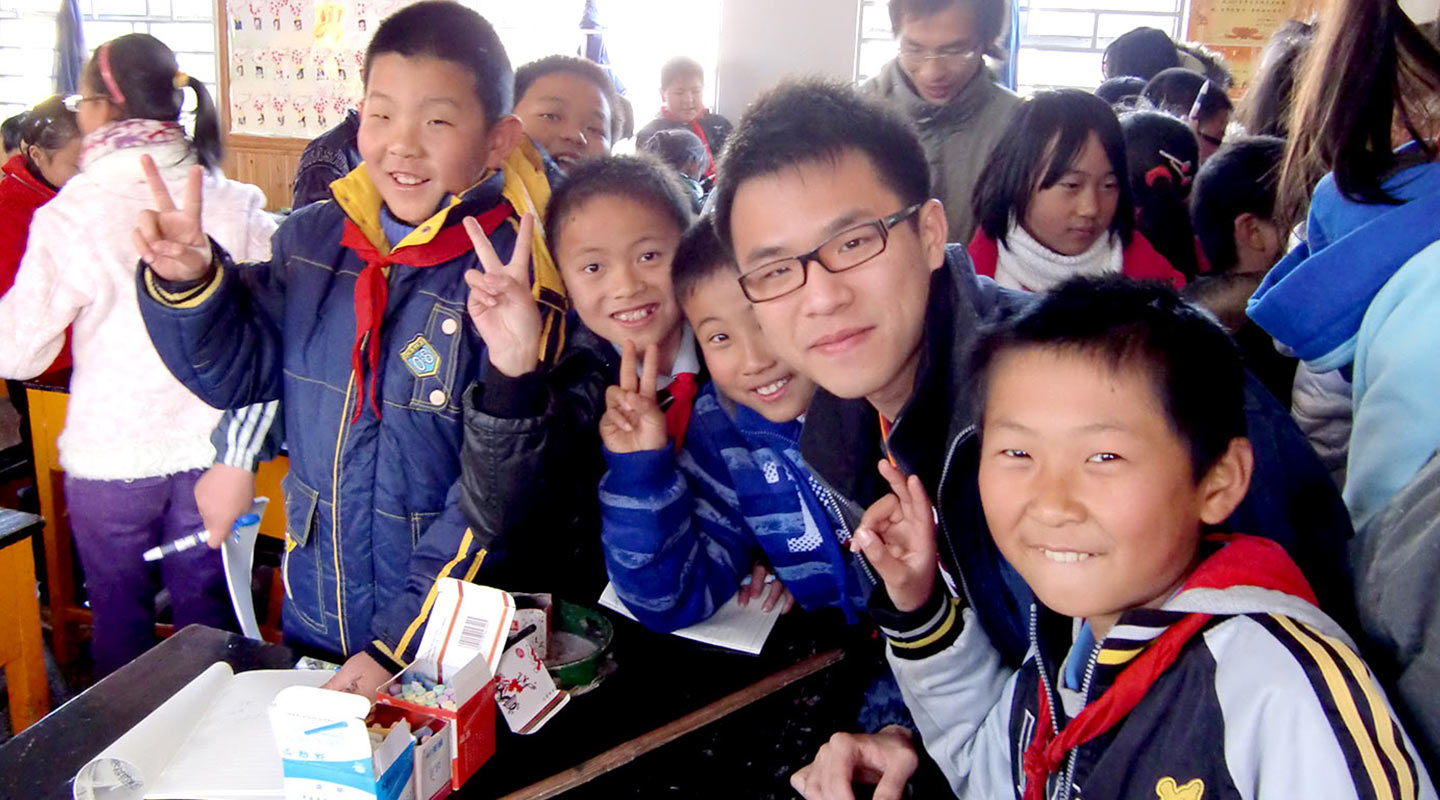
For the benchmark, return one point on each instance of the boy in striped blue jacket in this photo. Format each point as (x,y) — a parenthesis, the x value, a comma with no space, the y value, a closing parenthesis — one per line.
(683,524)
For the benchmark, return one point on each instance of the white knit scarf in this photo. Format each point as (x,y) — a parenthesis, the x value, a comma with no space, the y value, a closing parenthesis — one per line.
(1025,263)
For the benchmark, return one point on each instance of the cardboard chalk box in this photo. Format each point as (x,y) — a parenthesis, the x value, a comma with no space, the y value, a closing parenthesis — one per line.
(328,752)
(470,727)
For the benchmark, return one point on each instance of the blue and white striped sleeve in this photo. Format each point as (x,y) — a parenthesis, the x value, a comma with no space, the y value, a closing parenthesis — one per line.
(249,435)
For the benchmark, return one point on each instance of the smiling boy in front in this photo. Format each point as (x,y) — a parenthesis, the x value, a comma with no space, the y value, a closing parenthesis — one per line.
(1163,661)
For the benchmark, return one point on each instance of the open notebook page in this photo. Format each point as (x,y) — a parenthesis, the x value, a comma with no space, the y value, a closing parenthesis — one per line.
(732,626)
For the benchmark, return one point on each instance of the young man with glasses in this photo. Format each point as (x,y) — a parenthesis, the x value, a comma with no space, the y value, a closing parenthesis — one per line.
(940,82)
(825,203)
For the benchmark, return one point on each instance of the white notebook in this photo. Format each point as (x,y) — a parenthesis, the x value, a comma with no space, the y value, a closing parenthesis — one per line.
(733,626)
(210,741)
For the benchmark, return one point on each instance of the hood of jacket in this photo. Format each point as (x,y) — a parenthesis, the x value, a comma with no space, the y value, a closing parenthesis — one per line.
(1314,300)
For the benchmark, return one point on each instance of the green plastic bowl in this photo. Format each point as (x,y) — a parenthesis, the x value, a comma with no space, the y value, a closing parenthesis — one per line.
(578,644)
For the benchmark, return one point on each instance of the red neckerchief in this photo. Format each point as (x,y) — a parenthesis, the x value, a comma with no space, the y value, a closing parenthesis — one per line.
(698,131)
(1243,561)
(683,388)
(372,290)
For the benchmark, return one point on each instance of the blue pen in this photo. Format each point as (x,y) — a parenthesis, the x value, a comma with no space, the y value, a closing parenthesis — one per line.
(195,539)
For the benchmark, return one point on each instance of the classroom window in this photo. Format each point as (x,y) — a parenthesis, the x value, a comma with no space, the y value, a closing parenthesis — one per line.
(1061,41)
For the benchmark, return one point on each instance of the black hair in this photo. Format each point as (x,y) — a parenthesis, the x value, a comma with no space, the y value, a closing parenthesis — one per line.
(641,178)
(1239,179)
(1142,53)
(1192,363)
(676,147)
(1371,72)
(989,17)
(145,71)
(1120,89)
(814,121)
(450,32)
(679,68)
(1176,91)
(1210,63)
(1266,108)
(527,74)
(622,119)
(49,125)
(700,257)
(1044,136)
(1161,157)
(10,131)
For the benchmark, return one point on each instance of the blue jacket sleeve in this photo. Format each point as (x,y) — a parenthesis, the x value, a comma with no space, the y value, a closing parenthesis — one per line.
(244,437)
(221,338)
(675,544)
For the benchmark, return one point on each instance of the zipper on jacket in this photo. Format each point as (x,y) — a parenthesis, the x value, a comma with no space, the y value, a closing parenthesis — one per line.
(1051,696)
(1084,693)
(942,532)
(841,504)
(335,502)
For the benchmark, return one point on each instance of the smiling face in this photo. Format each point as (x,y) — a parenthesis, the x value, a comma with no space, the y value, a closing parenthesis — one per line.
(950,38)
(1087,488)
(856,333)
(1071,215)
(684,97)
(423,134)
(568,115)
(740,361)
(614,255)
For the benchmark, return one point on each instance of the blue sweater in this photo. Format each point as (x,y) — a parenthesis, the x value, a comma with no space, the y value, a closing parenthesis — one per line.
(1361,294)
(680,530)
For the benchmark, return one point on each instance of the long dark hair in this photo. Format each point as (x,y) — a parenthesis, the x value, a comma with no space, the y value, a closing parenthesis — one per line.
(145,72)
(1044,136)
(1370,68)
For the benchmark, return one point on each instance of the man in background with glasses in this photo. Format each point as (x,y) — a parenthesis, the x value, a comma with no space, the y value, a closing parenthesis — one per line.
(940,82)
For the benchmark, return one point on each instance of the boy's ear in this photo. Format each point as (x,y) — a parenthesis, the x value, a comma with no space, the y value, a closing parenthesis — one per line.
(934,230)
(501,139)
(1225,485)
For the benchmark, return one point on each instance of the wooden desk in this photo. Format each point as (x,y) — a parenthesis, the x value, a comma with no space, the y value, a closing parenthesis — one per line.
(69,621)
(22,654)
(634,711)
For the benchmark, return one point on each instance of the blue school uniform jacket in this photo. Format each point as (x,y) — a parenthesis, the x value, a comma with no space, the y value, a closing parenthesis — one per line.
(680,530)
(372,503)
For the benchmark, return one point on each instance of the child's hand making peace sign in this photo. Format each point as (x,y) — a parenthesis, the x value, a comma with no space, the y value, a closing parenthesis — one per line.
(169,239)
(500,303)
(633,420)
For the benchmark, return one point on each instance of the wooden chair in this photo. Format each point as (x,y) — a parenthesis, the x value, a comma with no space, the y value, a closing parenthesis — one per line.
(22,653)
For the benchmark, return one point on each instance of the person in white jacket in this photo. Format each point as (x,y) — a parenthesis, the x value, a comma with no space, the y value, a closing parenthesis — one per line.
(135,440)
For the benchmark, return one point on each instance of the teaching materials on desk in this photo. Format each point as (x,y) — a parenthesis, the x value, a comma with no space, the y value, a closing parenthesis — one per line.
(327,752)
(733,626)
(196,539)
(210,741)
(238,555)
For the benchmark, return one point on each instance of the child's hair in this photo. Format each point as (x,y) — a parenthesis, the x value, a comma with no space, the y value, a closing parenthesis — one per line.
(1199,58)
(1161,157)
(676,147)
(1265,111)
(1178,92)
(816,121)
(1045,135)
(48,126)
(990,17)
(1120,89)
(141,77)
(700,257)
(527,74)
(10,131)
(1369,69)
(448,31)
(1192,363)
(622,119)
(1239,179)
(680,68)
(1141,53)
(642,178)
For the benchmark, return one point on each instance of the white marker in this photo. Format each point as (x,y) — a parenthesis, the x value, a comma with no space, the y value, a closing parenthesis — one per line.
(193,540)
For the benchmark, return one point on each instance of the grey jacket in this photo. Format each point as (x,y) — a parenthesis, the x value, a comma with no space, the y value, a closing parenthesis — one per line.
(1396,558)
(957,136)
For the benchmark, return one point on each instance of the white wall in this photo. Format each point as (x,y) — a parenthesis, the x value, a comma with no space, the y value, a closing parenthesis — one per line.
(764,41)
(1421,10)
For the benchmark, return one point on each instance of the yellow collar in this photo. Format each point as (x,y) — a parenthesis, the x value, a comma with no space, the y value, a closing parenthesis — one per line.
(361,202)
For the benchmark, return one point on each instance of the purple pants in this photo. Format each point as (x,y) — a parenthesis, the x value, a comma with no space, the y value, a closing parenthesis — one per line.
(114,523)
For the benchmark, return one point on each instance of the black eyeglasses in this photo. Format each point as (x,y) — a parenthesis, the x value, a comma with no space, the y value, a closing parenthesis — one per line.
(845,250)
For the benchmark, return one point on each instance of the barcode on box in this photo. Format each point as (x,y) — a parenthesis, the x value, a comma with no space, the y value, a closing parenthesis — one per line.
(472,632)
